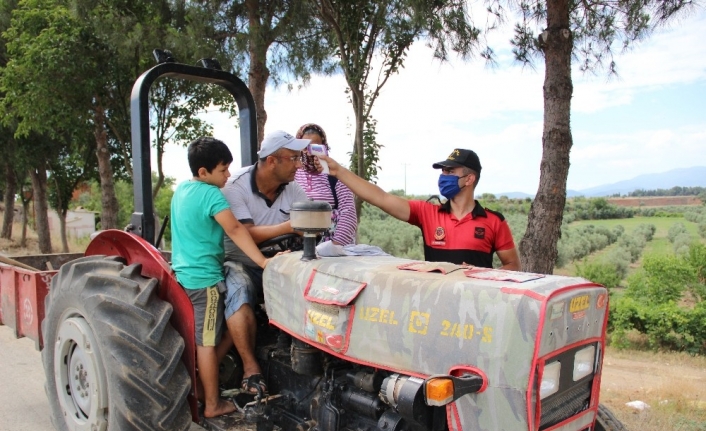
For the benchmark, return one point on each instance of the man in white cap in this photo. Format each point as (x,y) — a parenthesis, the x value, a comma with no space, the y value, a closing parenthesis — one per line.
(260,197)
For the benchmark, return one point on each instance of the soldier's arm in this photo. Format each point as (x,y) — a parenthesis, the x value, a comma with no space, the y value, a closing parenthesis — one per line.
(510,259)
(396,206)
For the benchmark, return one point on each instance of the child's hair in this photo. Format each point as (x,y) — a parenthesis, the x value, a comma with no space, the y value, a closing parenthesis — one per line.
(207,152)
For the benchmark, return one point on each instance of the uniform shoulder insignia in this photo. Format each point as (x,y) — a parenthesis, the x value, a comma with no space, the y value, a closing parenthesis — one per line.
(499,215)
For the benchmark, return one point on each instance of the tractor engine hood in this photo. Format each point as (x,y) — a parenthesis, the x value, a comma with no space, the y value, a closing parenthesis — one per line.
(423,318)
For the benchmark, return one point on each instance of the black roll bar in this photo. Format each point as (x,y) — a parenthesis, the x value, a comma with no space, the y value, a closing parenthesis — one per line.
(142,221)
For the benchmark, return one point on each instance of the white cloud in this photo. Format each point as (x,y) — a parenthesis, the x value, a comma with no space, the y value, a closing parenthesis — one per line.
(430,108)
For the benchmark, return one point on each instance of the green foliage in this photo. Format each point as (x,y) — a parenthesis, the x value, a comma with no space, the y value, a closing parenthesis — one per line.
(395,237)
(667,326)
(371,151)
(91,200)
(663,279)
(578,242)
(674,191)
(675,230)
(581,208)
(605,273)
(665,302)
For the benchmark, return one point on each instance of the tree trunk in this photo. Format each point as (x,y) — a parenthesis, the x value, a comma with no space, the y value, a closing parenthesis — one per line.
(538,248)
(109,203)
(38,177)
(358,99)
(258,73)
(9,197)
(25,222)
(62,229)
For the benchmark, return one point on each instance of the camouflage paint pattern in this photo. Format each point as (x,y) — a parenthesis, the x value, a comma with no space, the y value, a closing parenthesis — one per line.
(425,323)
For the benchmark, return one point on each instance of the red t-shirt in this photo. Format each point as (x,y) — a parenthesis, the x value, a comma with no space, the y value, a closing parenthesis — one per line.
(472,240)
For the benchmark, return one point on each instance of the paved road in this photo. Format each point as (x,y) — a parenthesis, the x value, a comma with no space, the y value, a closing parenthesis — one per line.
(23,403)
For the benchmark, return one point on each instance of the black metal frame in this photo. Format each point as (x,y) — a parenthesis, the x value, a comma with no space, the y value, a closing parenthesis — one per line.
(142,220)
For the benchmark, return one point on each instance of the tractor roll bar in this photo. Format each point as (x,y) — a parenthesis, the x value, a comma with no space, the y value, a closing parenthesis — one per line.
(142,221)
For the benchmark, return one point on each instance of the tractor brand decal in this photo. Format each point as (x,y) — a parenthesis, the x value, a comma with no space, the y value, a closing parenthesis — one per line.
(466,331)
(27,312)
(601,301)
(380,315)
(418,323)
(557,310)
(579,303)
(321,319)
(479,233)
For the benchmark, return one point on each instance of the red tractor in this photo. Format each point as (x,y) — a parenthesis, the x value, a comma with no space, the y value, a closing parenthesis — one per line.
(345,343)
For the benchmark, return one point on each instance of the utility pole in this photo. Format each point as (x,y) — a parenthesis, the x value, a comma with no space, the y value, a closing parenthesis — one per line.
(405,178)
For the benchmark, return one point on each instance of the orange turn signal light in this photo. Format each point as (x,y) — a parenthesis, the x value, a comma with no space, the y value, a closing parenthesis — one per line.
(439,391)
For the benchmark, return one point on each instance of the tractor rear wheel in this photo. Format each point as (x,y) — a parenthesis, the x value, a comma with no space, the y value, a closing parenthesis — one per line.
(606,420)
(112,359)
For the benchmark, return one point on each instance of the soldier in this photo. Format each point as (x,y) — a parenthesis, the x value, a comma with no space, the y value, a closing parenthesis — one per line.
(460,230)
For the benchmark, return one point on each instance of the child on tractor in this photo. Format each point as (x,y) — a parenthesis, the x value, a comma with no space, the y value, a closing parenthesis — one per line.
(200,215)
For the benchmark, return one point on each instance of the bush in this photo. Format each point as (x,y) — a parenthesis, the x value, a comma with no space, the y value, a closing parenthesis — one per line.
(667,326)
(604,273)
(663,279)
(675,230)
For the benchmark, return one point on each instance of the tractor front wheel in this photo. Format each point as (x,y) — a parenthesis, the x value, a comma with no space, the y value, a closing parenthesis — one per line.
(606,420)
(112,359)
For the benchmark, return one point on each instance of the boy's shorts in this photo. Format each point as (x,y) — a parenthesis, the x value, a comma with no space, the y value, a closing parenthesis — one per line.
(243,284)
(208,313)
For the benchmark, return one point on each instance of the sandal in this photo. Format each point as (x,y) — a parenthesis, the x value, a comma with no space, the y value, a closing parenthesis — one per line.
(254,385)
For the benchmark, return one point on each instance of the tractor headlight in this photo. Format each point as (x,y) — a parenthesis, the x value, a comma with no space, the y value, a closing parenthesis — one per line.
(550,379)
(584,361)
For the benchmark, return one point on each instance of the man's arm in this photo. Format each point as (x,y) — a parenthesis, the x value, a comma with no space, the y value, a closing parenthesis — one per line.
(238,233)
(396,206)
(263,233)
(510,259)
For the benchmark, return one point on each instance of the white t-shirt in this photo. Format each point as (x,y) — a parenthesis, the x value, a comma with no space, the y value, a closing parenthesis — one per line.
(250,206)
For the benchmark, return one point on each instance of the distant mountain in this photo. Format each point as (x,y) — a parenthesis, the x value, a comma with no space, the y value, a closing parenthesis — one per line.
(685,177)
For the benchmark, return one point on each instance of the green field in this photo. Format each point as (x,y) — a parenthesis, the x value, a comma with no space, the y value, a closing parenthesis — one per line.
(659,245)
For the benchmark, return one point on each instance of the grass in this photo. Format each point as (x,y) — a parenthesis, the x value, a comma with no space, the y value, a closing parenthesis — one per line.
(671,384)
(659,245)
(13,247)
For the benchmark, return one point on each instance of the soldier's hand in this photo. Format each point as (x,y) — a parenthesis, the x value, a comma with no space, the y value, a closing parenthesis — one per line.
(333,166)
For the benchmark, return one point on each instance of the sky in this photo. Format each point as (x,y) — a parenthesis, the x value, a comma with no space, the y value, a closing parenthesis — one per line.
(649,119)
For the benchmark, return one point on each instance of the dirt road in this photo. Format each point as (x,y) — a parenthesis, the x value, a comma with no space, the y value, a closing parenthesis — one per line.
(672,384)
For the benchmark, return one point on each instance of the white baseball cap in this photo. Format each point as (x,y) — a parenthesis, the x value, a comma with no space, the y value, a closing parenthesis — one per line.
(280,139)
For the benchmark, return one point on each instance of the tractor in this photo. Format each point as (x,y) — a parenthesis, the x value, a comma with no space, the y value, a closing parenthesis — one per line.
(350,343)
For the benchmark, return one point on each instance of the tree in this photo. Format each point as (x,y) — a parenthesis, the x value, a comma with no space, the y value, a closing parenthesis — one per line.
(365,31)
(74,165)
(54,83)
(6,136)
(11,183)
(72,66)
(588,31)
(275,40)
(176,105)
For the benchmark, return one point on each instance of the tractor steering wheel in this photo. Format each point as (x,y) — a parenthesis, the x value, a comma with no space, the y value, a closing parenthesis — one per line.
(288,241)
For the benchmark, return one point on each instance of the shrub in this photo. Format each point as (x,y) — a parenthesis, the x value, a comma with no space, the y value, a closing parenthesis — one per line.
(604,273)
(675,230)
(663,280)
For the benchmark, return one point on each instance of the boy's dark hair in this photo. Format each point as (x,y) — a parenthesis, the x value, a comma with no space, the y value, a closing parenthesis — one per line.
(207,152)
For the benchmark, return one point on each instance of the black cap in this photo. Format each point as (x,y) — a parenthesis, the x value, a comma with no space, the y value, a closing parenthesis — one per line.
(460,157)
